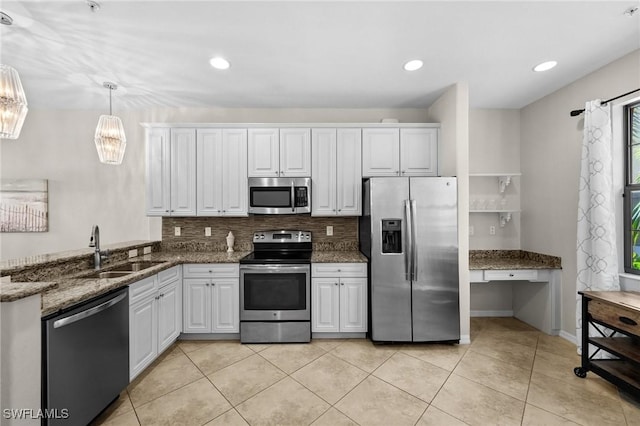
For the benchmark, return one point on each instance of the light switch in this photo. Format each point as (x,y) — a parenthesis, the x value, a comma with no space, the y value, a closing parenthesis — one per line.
(207,231)
(176,231)
(329,230)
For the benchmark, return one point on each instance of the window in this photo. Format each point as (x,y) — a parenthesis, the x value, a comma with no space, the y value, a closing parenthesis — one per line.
(632,190)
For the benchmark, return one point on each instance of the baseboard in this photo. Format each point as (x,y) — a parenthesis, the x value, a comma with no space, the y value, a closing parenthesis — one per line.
(465,339)
(569,337)
(209,336)
(491,313)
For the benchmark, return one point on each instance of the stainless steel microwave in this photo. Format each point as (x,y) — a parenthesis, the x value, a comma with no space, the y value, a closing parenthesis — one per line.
(279,195)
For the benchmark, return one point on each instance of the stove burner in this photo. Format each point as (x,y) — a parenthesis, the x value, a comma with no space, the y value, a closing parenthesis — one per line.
(280,247)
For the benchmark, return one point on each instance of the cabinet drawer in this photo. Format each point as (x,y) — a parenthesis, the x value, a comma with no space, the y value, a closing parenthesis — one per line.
(143,288)
(616,316)
(208,270)
(169,275)
(339,270)
(511,275)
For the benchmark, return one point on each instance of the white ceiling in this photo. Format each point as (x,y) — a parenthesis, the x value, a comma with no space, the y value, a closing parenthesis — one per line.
(341,54)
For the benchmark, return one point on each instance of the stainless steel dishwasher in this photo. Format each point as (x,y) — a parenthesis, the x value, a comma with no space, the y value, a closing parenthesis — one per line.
(85,358)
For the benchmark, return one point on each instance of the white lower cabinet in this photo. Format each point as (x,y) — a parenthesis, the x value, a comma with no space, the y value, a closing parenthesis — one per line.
(211,298)
(155,317)
(339,298)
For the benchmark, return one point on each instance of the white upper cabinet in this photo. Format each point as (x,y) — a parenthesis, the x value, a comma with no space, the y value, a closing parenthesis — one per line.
(419,152)
(380,152)
(222,172)
(171,172)
(336,172)
(183,172)
(279,152)
(158,171)
(400,152)
(264,152)
(295,152)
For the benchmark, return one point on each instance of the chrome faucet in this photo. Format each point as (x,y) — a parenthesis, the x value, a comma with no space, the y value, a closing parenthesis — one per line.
(98,255)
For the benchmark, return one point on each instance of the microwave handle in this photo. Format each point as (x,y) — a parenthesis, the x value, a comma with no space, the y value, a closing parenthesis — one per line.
(293,197)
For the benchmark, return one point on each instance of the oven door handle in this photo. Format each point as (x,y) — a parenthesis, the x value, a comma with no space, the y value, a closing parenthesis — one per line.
(282,268)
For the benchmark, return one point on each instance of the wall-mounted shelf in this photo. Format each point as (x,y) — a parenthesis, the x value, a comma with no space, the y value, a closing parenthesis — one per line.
(504,179)
(505,215)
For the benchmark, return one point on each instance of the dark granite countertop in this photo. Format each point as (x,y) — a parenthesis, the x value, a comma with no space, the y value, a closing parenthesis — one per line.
(511,259)
(71,288)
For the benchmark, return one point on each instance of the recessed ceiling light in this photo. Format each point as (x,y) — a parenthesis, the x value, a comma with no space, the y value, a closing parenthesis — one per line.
(413,65)
(545,66)
(219,63)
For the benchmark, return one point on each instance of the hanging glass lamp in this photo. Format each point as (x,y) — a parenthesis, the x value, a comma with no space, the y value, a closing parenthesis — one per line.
(110,139)
(13,103)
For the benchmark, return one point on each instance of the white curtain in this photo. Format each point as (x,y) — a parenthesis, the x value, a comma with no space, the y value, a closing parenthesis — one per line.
(597,258)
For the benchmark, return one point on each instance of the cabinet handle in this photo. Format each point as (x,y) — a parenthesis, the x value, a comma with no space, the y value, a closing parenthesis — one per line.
(213,284)
(628,321)
(276,173)
(335,283)
(511,275)
(207,284)
(166,211)
(341,283)
(404,171)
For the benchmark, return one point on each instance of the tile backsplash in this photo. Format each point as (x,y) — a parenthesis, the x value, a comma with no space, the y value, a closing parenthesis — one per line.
(192,231)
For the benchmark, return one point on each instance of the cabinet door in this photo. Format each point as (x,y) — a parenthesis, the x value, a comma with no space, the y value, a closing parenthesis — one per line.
(323,172)
(169,314)
(197,305)
(183,172)
(235,189)
(353,305)
(143,334)
(380,152)
(295,152)
(158,172)
(419,152)
(226,305)
(349,172)
(209,182)
(325,309)
(264,152)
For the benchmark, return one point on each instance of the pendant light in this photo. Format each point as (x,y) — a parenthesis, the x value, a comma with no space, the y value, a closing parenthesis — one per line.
(110,138)
(13,103)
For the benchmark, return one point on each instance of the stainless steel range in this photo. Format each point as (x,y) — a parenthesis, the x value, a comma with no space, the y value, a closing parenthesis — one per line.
(275,287)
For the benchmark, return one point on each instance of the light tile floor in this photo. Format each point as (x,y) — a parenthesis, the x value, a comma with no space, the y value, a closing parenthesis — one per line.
(510,374)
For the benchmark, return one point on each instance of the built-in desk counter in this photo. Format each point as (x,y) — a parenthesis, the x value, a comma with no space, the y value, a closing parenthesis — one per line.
(534,279)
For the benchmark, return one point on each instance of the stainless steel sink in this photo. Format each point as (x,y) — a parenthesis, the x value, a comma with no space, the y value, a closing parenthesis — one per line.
(135,266)
(106,274)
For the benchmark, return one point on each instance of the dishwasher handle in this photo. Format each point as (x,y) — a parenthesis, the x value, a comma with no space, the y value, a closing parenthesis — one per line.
(89,312)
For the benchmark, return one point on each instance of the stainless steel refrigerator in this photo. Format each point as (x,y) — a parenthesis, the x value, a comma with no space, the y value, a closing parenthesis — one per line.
(409,232)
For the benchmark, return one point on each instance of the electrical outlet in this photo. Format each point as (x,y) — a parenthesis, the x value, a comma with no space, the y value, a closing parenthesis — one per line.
(472,230)
(207,231)
(329,230)
(492,230)
(176,231)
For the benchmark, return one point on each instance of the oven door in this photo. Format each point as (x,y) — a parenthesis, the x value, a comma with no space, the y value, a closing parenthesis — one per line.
(275,292)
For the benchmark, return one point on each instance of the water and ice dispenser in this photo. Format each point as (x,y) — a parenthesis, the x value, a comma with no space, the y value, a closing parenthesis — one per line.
(391,236)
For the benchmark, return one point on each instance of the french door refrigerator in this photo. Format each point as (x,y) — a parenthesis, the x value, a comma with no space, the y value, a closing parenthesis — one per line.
(409,233)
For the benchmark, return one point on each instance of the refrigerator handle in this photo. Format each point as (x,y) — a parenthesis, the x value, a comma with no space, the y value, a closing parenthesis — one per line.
(408,253)
(414,245)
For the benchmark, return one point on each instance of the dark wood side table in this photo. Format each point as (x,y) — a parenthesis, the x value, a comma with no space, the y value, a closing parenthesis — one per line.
(619,311)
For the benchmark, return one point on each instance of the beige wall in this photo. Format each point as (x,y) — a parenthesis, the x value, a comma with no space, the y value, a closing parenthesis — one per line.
(58,146)
(494,147)
(451,110)
(550,161)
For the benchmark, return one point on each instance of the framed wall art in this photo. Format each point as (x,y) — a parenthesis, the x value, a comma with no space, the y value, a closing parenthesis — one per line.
(24,205)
